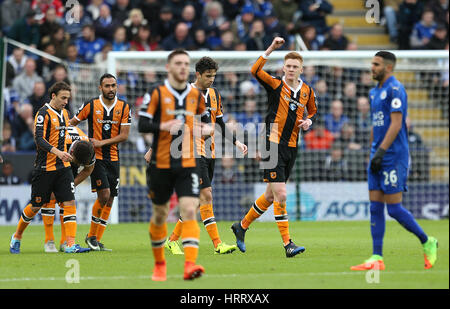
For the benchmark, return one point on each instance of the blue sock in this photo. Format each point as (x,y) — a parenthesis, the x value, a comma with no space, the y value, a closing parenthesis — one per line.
(377,226)
(405,218)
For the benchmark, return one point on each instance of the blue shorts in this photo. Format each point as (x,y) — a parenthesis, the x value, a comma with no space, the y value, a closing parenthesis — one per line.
(390,179)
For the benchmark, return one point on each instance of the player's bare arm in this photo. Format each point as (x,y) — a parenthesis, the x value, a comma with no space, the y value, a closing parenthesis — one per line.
(276,43)
(83,174)
(123,136)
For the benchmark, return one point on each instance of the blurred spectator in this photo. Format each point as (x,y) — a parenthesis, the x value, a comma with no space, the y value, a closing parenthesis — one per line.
(50,23)
(121,90)
(274,28)
(229,86)
(88,45)
(423,30)
(214,23)
(8,177)
(318,137)
(134,21)
(286,10)
(336,118)
(258,39)
(8,141)
(249,114)
(261,8)
(101,58)
(335,167)
(12,103)
(119,42)
(363,122)
(143,41)
(59,74)
(43,6)
(150,9)
(231,8)
(179,39)
(309,76)
(94,8)
(39,97)
(11,11)
(414,139)
(189,18)
(80,19)
(336,40)
(365,84)
(409,13)
(104,25)
(349,99)
(314,12)
(120,9)
(164,25)
(390,11)
(44,66)
(228,172)
(440,10)
(227,41)
(335,81)
(22,128)
(347,138)
(309,36)
(322,96)
(176,7)
(60,40)
(17,60)
(24,82)
(241,25)
(26,29)
(72,54)
(200,40)
(439,39)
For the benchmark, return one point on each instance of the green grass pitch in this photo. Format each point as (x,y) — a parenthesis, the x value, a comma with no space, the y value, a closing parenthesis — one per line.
(331,248)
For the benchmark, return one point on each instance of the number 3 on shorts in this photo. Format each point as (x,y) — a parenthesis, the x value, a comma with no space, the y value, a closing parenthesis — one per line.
(195,183)
(390,177)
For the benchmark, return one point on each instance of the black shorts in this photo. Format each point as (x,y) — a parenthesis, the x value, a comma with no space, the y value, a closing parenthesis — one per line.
(161,182)
(60,182)
(285,161)
(106,175)
(206,171)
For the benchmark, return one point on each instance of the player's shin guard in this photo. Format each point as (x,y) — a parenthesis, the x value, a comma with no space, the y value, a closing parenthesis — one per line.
(190,236)
(209,221)
(61,220)
(177,230)
(281,218)
(158,234)
(258,208)
(25,219)
(70,224)
(48,216)
(103,222)
(95,219)
(405,218)
(377,226)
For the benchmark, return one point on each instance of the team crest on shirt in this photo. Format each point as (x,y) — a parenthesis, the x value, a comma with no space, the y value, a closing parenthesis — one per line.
(383,95)
(99,182)
(304,94)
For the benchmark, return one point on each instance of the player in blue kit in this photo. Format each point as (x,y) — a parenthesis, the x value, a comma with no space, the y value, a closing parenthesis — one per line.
(389,162)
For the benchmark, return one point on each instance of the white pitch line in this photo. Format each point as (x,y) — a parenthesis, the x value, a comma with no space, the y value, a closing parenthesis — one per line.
(348,273)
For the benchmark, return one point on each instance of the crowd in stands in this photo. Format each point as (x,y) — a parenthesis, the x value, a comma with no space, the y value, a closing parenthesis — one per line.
(85,32)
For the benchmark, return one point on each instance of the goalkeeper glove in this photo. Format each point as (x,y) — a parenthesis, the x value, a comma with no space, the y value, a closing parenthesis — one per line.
(375,164)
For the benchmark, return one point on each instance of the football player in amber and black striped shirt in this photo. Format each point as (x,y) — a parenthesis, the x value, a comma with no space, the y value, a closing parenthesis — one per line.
(291,107)
(52,172)
(169,114)
(109,121)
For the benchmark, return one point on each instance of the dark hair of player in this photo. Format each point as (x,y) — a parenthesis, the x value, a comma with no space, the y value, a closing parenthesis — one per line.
(57,87)
(106,75)
(178,51)
(83,151)
(206,64)
(387,56)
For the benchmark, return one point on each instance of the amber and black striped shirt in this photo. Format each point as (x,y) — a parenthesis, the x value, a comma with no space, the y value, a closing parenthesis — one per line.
(50,128)
(286,105)
(105,123)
